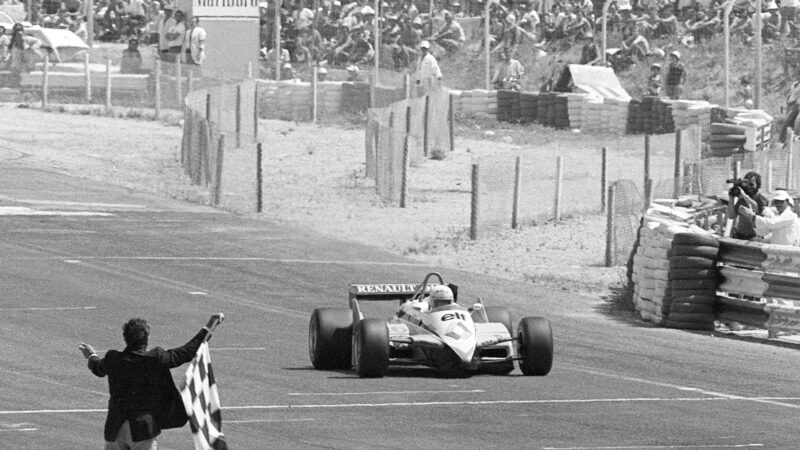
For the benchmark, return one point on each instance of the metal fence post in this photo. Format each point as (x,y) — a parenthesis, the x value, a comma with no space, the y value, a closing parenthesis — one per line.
(259,179)
(474,202)
(559,179)
(208,106)
(610,240)
(451,121)
(646,158)
(404,170)
(157,86)
(314,93)
(178,80)
(603,178)
(789,159)
(426,140)
(238,124)
(87,77)
(676,187)
(515,201)
(218,171)
(45,79)
(108,85)
(255,111)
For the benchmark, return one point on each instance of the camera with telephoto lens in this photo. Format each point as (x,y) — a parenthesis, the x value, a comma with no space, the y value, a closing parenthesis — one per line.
(738,184)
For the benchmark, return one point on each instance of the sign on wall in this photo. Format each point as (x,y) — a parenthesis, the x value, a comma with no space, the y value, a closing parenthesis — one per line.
(225,8)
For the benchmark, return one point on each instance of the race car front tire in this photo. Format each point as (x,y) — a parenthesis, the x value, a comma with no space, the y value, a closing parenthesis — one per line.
(371,348)
(329,338)
(535,346)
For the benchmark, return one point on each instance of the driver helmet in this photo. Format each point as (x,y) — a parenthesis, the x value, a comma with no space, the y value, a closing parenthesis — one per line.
(441,295)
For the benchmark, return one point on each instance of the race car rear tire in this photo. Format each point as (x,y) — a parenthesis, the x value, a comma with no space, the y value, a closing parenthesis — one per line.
(499,314)
(535,346)
(329,338)
(371,348)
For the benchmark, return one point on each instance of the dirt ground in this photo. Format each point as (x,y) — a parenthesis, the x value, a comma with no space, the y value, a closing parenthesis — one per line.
(314,178)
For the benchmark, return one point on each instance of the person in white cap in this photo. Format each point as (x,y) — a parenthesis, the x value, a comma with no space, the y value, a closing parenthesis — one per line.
(676,76)
(779,225)
(428,73)
(322,74)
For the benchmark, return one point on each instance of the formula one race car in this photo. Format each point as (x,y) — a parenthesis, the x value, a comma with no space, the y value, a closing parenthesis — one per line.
(430,329)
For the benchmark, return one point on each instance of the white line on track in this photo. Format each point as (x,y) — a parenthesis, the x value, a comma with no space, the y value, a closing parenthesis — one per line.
(64,308)
(218,258)
(227,422)
(233,349)
(19,429)
(81,204)
(418,404)
(721,395)
(657,446)
(472,391)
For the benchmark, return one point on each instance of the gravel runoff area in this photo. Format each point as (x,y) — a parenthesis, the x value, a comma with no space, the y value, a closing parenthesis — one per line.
(314,178)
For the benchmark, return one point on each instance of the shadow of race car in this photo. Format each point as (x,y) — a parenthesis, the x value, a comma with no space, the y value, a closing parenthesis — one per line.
(429,329)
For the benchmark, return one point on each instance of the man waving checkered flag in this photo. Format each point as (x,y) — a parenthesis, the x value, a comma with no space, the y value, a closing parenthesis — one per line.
(201,400)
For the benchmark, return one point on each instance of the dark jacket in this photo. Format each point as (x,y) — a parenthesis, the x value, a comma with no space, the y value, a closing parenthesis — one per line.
(137,382)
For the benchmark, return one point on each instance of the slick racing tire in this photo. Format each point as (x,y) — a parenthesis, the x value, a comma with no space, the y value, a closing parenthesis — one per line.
(535,346)
(329,336)
(695,239)
(371,348)
(695,250)
(689,262)
(693,274)
(499,314)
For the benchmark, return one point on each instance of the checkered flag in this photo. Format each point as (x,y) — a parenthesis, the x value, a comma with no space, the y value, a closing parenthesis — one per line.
(201,400)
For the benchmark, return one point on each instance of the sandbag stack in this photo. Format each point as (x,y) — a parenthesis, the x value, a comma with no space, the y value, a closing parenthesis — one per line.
(329,98)
(516,113)
(693,280)
(690,112)
(651,269)
(615,115)
(476,101)
(355,97)
(634,122)
(575,109)
(544,111)
(726,139)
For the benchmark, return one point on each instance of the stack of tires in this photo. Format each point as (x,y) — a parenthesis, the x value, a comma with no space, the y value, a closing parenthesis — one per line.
(505,99)
(693,280)
(542,107)
(561,112)
(727,139)
(516,113)
(635,119)
(528,105)
(648,114)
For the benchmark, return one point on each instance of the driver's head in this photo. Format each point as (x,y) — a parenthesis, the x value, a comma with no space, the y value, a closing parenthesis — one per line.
(441,295)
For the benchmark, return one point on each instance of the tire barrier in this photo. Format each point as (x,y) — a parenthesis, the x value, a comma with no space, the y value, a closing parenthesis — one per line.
(505,100)
(694,258)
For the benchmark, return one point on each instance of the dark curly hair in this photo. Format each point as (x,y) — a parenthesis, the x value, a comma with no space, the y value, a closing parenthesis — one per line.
(136,333)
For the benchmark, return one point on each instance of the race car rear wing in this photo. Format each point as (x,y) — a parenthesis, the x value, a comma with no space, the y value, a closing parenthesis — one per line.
(390,291)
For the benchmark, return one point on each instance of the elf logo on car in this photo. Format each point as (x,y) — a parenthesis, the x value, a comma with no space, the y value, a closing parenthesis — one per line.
(455,315)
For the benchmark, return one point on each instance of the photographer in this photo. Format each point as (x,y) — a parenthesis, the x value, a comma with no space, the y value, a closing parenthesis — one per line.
(779,225)
(744,193)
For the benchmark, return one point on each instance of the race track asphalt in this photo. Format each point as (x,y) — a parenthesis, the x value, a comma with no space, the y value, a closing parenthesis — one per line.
(78,258)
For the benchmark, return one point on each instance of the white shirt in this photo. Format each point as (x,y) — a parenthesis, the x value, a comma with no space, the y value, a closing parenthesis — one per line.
(197,44)
(180,30)
(428,71)
(783,229)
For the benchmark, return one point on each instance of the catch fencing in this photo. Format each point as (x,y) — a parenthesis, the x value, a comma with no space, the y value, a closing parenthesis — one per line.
(404,134)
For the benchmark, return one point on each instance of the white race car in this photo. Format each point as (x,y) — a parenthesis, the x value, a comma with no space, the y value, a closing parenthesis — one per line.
(429,328)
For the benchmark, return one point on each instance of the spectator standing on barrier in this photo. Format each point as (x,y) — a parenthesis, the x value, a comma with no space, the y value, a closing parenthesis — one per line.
(778,225)
(676,76)
(140,385)
(165,23)
(196,43)
(746,195)
(590,53)
(428,73)
(131,61)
